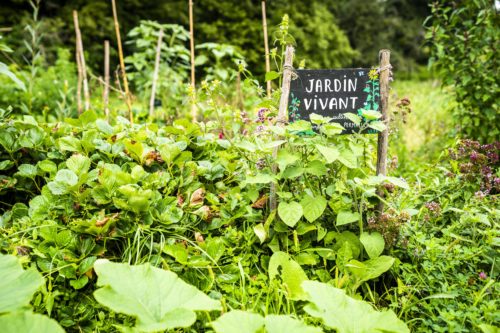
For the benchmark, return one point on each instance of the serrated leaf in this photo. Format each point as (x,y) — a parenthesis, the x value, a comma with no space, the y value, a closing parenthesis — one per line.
(27,171)
(313,207)
(353,117)
(290,212)
(377,125)
(78,163)
(371,114)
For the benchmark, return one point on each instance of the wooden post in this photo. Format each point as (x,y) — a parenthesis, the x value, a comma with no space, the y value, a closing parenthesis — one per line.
(105,94)
(80,79)
(282,113)
(383,137)
(81,57)
(122,62)
(155,74)
(266,46)
(191,43)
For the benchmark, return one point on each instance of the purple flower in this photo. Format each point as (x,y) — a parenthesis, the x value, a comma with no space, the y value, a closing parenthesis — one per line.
(482,276)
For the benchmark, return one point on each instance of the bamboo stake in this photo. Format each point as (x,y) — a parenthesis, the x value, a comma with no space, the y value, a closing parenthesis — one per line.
(383,137)
(122,62)
(266,46)
(105,94)
(193,78)
(282,113)
(155,74)
(80,79)
(81,57)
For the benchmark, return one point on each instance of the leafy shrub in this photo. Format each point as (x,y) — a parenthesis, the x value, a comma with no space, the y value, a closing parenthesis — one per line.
(462,36)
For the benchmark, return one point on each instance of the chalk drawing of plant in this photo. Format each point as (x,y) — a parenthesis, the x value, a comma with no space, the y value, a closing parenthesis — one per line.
(293,109)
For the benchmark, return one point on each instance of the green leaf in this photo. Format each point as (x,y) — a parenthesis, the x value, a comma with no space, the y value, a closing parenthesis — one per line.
(398,182)
(67,177)
(27,171)
(287,324)
(78,163)
(370,269)
(17,286)
(157,298)
(346,217)
(69,143)
(260,232)
(313,207)
(238,321)
(291,274)
(28,322)
(6,71)
(377,125)
(286,158)
(374,243)
(371,114)
(47,166)
(348,158)
(348,315)
(489,328)
(330,153)
(353,117)
(272,75)
(316,168)
(260,178)
(5,165)
(80,282)
(290,213)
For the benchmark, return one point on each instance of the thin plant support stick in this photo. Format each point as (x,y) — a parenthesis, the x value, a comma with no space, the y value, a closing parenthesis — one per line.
(193,77)
(266,46)
(81,57)
(122,62)
(239,92)
(282,113)
(105,93)
(155,74)
(80,80)
(383,137)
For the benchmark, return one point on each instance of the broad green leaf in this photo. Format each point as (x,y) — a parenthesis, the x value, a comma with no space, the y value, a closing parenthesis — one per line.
(292,172)
(5,165)
(69,143)
(353,117)
(286,158)
(313,207)
(27,171)
(316,168)
(348,315)
(489,328)
(377,125)
(238,321)
(80,282)
(78,163)
(287,324)
(290,212)
(47,166)
(348,158)
(260,232)
(330,153)
(157,298)
(371,114)
(28,322)
(17,286)
(291,274)
(272,75)
(374,243)
(260,178)
(370,269)
(332,129)
(318,119)
(346,217)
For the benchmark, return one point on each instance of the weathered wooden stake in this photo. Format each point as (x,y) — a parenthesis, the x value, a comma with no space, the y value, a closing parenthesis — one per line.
(383,137)
(155,74)
(266,46)
(191,42)
(122,62)
(105,93)
(81,58)
(80,79)
(282,113)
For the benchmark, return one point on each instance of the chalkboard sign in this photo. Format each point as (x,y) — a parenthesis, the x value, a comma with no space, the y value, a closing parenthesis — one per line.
(332,93)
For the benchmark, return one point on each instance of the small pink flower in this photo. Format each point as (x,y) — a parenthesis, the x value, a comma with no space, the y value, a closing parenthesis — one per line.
(482,276)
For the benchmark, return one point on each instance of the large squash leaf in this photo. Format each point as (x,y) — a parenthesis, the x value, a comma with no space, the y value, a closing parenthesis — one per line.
(17,286)
(28,322)
(348,315)
(247,322)
(157,298)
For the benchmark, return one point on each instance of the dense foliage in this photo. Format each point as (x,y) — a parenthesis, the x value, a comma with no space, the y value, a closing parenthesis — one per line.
(463,36)
(166,223)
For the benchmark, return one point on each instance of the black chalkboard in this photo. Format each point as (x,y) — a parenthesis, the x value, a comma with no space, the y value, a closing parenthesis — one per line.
(332,93)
